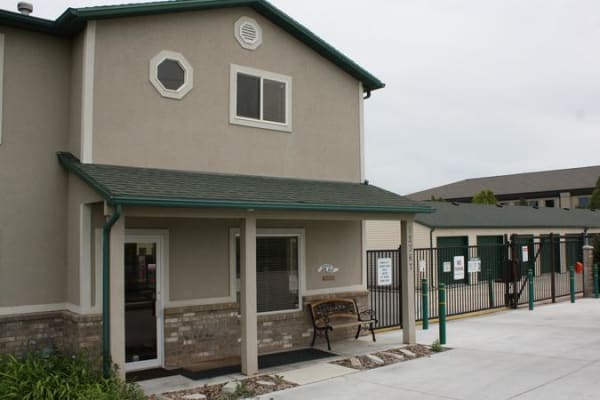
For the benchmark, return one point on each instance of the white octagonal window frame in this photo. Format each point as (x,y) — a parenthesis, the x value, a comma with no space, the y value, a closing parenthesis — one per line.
(188,74)
(244,40)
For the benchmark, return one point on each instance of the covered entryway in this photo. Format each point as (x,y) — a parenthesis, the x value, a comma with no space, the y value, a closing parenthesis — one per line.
(246,255)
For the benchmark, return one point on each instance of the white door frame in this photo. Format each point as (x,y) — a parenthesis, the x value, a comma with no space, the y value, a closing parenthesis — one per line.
(161,238)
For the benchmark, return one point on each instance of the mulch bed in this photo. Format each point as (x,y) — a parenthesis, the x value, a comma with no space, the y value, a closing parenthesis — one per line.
(252,387)
(387,357)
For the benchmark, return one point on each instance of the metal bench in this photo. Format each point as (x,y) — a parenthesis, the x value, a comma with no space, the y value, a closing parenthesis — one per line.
(328,315)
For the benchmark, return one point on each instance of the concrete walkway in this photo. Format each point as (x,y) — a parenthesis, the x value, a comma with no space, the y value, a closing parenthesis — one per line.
(550,353)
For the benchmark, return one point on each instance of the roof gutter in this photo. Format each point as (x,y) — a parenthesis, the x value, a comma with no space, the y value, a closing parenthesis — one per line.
(162,202)
(106,228)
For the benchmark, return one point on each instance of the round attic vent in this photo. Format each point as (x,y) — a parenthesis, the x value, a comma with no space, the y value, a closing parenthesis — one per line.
(248,33)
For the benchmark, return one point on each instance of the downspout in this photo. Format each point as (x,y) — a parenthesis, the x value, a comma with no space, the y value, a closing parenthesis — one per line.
(106,228)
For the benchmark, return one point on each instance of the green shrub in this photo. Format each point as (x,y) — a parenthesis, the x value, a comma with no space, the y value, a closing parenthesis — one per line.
(436,346)
(54,376)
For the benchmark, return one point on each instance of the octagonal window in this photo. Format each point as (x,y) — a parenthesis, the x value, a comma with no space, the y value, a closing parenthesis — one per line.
(171,74)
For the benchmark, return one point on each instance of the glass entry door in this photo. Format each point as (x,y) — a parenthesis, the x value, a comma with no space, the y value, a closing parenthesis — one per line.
(143,334)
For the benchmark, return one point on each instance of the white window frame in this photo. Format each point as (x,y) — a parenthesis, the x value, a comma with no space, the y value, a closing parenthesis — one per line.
(274,232)
(188,74)
(259,123)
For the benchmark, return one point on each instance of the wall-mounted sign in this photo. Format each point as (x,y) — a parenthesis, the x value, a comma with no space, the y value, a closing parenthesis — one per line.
(421,265)
(525,253)
(474,265)
(384,271)
(447,266)
(459,267)
(327,269)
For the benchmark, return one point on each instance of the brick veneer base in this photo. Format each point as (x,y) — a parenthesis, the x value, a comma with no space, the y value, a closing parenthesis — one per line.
(191,334)
(64,330)
(209,332)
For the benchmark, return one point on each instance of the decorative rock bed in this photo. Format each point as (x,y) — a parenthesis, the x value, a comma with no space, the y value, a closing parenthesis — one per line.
(250,388)
(242,389)
(387,357)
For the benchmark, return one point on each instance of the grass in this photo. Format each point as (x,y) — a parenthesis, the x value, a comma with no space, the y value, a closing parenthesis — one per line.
(51,375)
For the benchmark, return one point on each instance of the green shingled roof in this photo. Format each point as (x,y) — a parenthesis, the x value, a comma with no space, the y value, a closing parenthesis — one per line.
(172,188)
(73,20)
(461,215)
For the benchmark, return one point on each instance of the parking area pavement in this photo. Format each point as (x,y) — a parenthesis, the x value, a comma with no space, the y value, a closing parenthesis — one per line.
(552,352)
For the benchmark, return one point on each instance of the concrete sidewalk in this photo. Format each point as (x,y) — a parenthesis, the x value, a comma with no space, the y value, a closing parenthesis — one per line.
(550,353)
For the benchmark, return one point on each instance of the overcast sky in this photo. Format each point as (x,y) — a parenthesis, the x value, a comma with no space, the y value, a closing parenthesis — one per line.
(474,87)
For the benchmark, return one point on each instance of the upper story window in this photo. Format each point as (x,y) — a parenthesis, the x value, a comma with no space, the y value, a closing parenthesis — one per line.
(171,74)
(261,99)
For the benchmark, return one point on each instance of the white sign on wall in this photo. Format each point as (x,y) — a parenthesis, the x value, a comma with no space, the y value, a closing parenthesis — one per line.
(459,267)
(384,271)
(474,265)
(447,266)
(525,253)
(421,265)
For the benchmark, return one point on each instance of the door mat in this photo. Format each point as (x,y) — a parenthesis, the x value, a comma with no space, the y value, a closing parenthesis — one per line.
(153,373)
(264,361)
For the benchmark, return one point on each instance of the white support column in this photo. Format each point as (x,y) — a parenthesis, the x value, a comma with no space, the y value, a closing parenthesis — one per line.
(248,296)
(409,333)
(117,294)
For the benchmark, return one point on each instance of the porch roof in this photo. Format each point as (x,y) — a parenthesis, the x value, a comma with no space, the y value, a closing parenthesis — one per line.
(174,188)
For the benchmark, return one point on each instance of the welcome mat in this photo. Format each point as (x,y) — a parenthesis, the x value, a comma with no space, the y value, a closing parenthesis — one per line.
(264,361)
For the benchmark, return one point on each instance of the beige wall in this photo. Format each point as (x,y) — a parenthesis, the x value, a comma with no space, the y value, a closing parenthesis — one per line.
(383,235)
(74,140)
(33,185)
(199,253)
(134,125)
(78,194)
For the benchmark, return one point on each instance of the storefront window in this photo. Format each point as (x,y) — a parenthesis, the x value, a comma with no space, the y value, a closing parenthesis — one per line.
(277,286)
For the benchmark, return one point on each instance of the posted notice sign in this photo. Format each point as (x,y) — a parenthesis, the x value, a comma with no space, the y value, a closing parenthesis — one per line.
(384,271)
(474,265)
(525,253)
(459,267)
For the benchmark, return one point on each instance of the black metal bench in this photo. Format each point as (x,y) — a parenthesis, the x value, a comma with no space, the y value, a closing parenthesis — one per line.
(339,313)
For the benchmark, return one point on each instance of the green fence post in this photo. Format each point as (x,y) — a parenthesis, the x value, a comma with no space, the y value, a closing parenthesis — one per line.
(596,282)
(425,294)
(572,283)
(491,296)
(530,283)
(442,312)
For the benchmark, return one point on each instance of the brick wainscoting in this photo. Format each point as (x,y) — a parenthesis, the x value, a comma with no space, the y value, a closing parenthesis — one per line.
(197,334)
(64,330)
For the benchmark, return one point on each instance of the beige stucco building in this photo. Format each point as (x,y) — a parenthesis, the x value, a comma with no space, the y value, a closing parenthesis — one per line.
(176,178)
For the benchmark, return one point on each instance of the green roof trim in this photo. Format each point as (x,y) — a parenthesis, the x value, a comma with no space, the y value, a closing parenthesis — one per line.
(133,186)
(73,20)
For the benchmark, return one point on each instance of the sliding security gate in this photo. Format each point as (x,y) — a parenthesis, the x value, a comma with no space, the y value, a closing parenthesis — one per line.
(494,273)
(383,281)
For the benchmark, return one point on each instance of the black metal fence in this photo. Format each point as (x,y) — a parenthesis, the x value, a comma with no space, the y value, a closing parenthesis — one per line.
(495,275)
(477,278)
(384,284)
